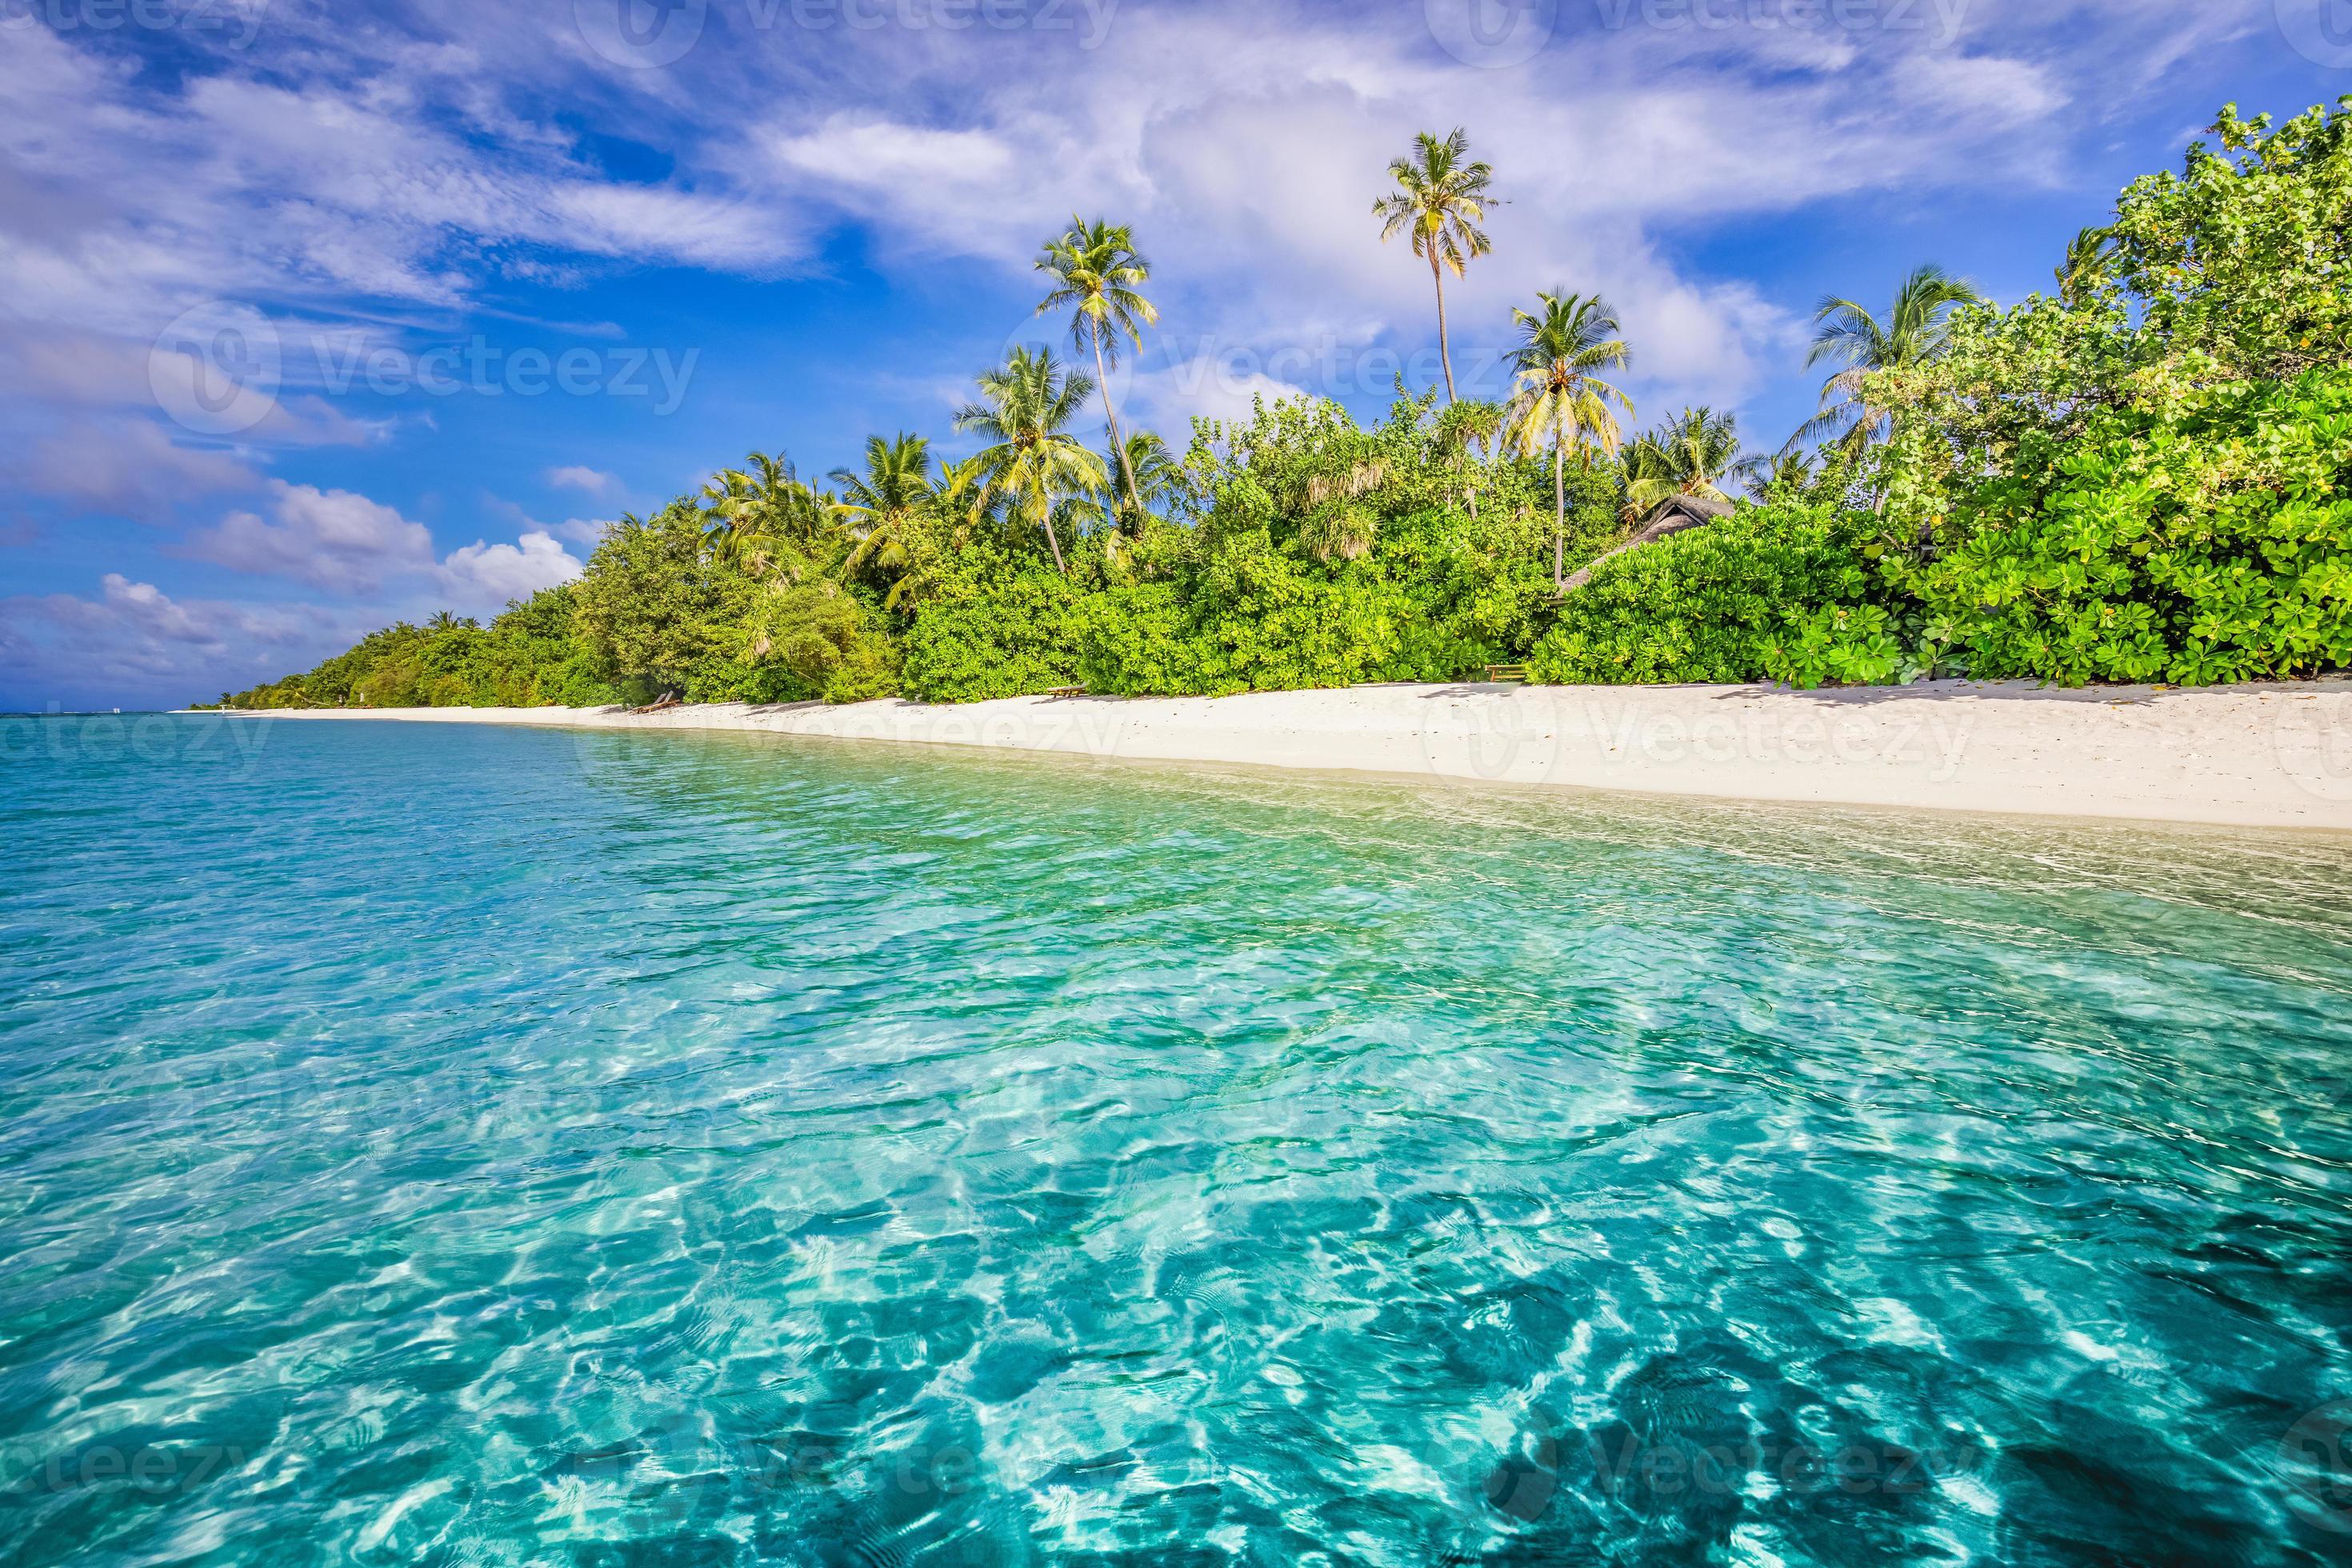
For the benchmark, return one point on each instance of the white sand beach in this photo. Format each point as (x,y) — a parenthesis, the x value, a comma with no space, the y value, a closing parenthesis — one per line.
(2257,755)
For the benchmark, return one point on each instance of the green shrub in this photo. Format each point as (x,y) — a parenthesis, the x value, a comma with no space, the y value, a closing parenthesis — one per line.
(2209,542)
(814,640)
(1006,638)
(1778,592)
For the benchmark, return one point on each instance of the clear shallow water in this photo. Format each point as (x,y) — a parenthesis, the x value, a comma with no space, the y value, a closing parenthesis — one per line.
(470,1145)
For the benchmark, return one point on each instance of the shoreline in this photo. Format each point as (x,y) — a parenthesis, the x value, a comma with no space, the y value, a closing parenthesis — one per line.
(2256,755)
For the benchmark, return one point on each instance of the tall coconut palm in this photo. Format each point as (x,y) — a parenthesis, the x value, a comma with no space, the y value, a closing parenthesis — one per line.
(1684,456)
(878,507)
(2090,258)
(1096,273)
(1916,330)
(1024,410)
(1556,394)
(1439,201)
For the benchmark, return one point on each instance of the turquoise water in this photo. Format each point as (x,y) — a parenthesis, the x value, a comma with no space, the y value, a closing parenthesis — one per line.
(468,1145)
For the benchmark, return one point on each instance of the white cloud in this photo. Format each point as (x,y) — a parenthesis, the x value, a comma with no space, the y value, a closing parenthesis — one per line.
(1208,386)
(1986,89)
(488,576)
(634,222)
(882,155)
(384,180)
(343,542)
(578,476)
(336,539)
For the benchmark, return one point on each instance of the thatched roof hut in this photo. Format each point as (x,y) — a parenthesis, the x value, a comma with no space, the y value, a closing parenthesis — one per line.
(1673,515)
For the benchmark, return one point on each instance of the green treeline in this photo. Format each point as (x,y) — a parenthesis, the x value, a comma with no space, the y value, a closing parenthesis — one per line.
(2144,475)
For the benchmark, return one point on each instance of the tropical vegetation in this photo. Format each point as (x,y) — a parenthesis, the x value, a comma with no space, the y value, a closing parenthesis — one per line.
(2143,475)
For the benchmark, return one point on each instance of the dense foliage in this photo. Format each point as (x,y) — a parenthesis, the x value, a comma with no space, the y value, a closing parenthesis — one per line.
(1776,592)
(2145,476)
(2210,542)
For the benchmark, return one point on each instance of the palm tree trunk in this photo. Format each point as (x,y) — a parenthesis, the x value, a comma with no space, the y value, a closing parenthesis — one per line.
(1055,545)
(1558,519)
(1444,350)
(1117,445)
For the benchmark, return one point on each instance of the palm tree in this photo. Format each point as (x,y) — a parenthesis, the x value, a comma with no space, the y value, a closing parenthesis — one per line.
(752,510)
(1556,394)
(879,507)
(2090,256)
(1789,468)
(1154,477)
(1025,409)
(961,496)
(1095,271)
(732,510)
(788,508)
(1915,331)
(1684,456)
(1472,423)
(1439,201)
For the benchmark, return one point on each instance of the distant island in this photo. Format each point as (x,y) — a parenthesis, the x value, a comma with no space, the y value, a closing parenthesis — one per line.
(2143,476)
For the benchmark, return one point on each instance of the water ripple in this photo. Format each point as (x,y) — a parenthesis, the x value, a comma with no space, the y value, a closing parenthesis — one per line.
(485,1146)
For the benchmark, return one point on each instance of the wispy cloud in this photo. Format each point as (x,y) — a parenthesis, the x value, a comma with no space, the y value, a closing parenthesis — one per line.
(585,479)
(381,177)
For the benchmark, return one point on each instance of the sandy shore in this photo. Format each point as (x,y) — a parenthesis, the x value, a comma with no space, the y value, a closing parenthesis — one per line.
(2272,756)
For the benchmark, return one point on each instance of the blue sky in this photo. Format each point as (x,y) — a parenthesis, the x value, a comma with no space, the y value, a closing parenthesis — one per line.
(315,317)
